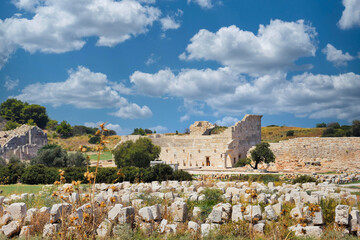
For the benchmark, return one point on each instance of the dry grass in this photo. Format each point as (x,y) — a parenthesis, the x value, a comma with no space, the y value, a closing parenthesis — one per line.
(72,143)
(276,134)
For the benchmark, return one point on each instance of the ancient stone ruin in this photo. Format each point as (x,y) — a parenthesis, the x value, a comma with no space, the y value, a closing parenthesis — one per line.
(22,142)
(203,149)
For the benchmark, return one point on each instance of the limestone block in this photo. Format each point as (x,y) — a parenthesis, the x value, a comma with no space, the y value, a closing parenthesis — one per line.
(193,226)
(170,228)
(104,229)
(29,215)
(44,210)
(125,199)
(17,211)
(259,227)
(354,221)
(207,228)
(179,211)
(342,214)
(147,227)
(59,210)
(196,212)
(315,217)
(146,214)
(215,216)
(296,213)
(162,225)
(26,231)
(11,229)
(126,215)
(5,219)
(237,214)
(114,212)
(270,213)
(155,210)
(51,229)
(137,203)
(252,212)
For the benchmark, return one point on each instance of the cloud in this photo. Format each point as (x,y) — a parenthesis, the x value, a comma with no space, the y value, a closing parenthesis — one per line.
(205,4)
(10,84)
(185,118)
(229,92)
(169,23)
(351,15)
(227,121)
(84,89)
(116,127)
(62,26)
(337,57)
(191,84)
(275,47)
(152,59)
(159,129)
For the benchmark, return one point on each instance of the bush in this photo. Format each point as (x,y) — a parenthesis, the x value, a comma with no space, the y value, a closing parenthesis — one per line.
(181,175)
(138,153)
(304,179)
(75,174)
(212,197)
(243,162)
(64,129)
(11,174)
(77,159)
(321,125)
(10,125)
(356,128)
(14,160)
(51,155)
(94,140)
(106,175)
(328,206)
(335,125)
(290,133)
(328,132)
(2,162)
(39,174)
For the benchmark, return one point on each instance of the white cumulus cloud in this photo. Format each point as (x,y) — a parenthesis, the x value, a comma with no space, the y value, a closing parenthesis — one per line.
(275,47)
(84,89)
(62,26)
(10,84)
(169,23)
(227,121)
(159,129)
(351,15)
(206,4)
(337,57)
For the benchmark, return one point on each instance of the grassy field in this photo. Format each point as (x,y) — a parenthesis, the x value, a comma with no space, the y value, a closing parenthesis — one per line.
(103,156)
(276,134)
(7,190)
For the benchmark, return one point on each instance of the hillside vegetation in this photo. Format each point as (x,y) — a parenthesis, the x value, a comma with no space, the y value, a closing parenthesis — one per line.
(276,134)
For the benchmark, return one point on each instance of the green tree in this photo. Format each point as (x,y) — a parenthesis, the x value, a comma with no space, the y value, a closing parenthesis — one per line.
(51,155)
(138,154)
(10,125)
(321,125)
(262,154)
(139,131)
(64,129)
(36,113)
(77,159)
(52,124)
(290,133)
(356,128)
(11,110)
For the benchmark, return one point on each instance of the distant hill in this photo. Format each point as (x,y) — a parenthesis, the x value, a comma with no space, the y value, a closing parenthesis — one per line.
(276,134)
(73,143)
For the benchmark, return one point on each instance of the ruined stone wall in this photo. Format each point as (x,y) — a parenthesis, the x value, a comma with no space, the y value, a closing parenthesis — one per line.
(23,142)
(221,150)
(315,154)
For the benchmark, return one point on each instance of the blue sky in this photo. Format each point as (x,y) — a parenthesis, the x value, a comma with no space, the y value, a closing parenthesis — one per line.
(163,64)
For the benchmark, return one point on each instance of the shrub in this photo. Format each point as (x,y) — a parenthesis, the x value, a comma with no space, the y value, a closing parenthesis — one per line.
(356,128)
(106,175)
(243,162)
(64,129)
(39,174)
(212,197)
(14,160)
(131,173)
(321,125)
(2,162)
(10,125)
(328,132)
(77,159)
(335,125)
(94,140)
(304,179)
(11,174)
(328,206)
(162,172)
(290,133)
(138,153)
(181,175)
(51,155)
(75,174)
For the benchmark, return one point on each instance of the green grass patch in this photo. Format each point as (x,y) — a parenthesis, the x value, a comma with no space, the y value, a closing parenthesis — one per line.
(103,156)
(7,190)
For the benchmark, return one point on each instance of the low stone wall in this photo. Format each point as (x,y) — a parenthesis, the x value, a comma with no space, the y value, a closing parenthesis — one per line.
(317,154)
